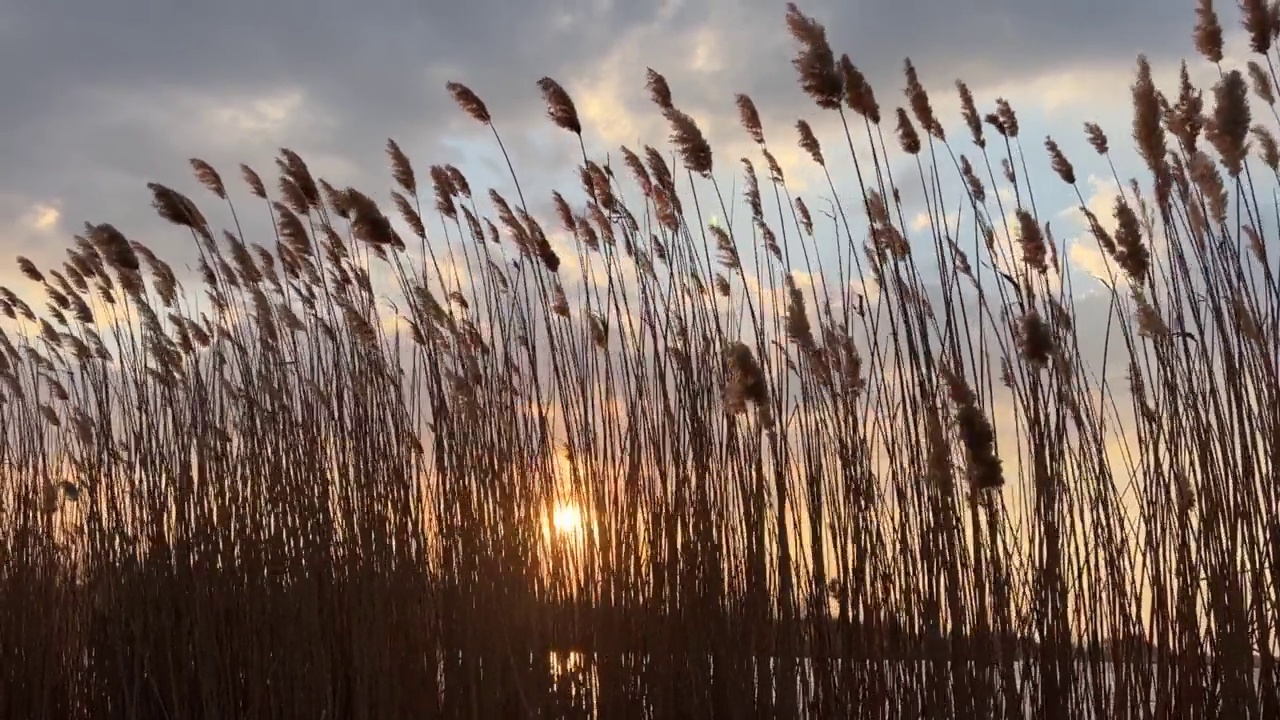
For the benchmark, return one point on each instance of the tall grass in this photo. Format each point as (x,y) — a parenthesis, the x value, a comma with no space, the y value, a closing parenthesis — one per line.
(826,465)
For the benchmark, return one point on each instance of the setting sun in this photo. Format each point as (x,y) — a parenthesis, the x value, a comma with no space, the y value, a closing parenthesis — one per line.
(567,519)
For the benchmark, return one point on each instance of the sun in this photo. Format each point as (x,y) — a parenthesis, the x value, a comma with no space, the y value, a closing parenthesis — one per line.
(567,519)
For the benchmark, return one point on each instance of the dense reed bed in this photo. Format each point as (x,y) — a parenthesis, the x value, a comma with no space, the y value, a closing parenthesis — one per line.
(509,453)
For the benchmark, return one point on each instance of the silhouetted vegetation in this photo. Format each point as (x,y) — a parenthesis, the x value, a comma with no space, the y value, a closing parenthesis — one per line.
(829,462)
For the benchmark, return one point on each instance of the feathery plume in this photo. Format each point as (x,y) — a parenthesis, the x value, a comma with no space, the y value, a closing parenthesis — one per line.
(1261,83)
(752,192)
(559,302)
(444,190)
(1008,118)
(907,136)
(690,143)
(29,270)
(459,181)
(775,170)
(636,166)
(368,224)
(470,103)
(746,382)
(1130,252)
(976,188)
(541,245)
(1208,32)
(1186,119)
(1034,339)
(409,214)
(976,434)
(1230,127)
(1096,137)
(178,209)
(1268,149)
(659,91)
(797,324)
(806,220)
(1147,130)
(918,99)
(1059,162)
(254,182)
(858,94)
(560,106)
(809,142)
(293,195)
(970,112)
(401,168)
(292,167)
(209,177)
(115,249)
(1207,178)
(292,230)
(563,211)
(1031,240)
(1256,18)
(815,62)
(727,251)
(750,118)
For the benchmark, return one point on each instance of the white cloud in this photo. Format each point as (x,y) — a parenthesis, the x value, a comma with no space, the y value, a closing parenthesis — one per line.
(1089,258)
(923,221)
(41,218)
(1082,249)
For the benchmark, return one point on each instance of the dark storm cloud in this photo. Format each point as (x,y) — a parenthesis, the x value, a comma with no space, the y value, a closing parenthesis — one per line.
(100,97)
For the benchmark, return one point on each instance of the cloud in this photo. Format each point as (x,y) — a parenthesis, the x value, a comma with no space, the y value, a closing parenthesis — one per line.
(41,218)
(1090,259)
(27,226)
(1083,252)
(130,91)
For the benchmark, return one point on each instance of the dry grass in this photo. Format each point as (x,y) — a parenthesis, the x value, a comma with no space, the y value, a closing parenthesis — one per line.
(882,485)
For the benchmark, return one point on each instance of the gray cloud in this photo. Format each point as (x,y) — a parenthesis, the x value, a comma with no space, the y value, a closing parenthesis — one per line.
(101,97)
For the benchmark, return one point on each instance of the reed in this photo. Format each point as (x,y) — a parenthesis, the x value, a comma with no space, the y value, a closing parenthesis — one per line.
(588,453)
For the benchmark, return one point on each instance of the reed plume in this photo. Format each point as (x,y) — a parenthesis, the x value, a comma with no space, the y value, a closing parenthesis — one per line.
(1229,130)
(918,99)
(560,107)
(690,143)
(858,94)
(1208,32)
(750,118)
(809,142)
(815,62)
(470,103)
(659,91)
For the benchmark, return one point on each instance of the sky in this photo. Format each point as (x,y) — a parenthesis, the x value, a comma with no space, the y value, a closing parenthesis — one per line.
(104,97)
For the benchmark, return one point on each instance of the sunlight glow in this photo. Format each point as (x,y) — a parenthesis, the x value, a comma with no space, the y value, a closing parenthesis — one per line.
(567,519)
